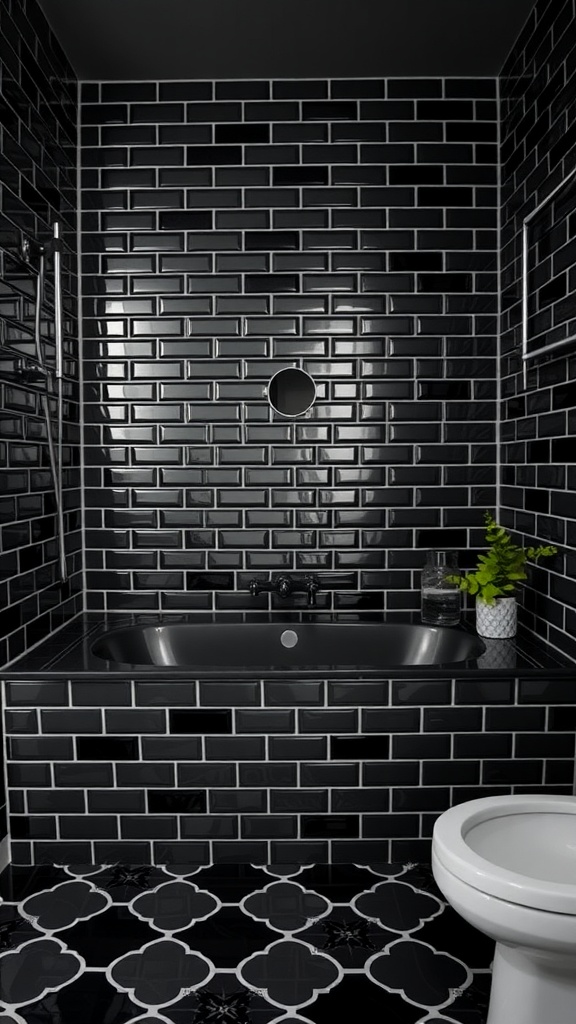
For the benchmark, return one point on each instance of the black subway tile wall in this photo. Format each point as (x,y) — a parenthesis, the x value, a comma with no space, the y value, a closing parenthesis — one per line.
(38,110)
(538,413)
(231,229)
(189,773)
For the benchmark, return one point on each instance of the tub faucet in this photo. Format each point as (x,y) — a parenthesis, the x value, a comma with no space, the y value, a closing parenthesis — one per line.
(285,585)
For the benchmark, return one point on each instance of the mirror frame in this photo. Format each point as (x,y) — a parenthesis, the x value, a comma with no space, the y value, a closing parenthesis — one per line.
(290,369)
(527,223)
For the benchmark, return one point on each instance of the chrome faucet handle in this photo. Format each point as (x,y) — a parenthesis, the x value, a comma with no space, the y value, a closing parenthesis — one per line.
(312,584)
(284,585)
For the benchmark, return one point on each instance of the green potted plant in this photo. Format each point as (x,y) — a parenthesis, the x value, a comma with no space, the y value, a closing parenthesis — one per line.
(494,582)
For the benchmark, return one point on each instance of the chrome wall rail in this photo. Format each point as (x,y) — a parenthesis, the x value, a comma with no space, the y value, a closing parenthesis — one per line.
(38,309)
(527,353)
(60,393)
(38,373)
(57,247)
(33,372)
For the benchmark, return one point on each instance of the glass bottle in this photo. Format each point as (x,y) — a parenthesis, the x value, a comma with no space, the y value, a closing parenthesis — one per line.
(441,600)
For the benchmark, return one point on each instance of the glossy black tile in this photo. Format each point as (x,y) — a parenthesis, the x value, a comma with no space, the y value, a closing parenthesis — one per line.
(333,110)
(134,721)
(329,826)
(210,155)
(362,747)
(271,240)
(246,801)
(242,90)
(271,283)
(89,748)
(184,90)
(309,175)
(115,801)
(200,722)
(244,133)
(73,721)
(181,802)
(330,254)
(120,92)
(446,773)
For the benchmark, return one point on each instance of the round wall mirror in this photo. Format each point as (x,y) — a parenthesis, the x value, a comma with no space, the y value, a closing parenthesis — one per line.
(291,392)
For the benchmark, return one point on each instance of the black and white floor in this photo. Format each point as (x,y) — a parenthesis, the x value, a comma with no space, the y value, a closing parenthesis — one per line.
(236,944)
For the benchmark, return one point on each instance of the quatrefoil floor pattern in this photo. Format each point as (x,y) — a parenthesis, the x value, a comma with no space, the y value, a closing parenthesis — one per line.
(235,944)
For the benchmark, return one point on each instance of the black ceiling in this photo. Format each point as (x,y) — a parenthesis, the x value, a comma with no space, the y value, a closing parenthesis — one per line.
(172,39)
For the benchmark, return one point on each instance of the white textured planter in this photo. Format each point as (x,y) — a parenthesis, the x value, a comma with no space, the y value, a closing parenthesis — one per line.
(496,620)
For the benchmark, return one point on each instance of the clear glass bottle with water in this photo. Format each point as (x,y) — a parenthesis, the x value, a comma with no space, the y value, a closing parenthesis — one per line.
(441,599)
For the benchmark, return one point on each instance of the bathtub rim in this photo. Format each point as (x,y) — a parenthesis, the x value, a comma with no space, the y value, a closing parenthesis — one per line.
(525,655)
(322,669)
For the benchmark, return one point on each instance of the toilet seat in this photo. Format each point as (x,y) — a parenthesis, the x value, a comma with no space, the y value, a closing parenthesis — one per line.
(481,841)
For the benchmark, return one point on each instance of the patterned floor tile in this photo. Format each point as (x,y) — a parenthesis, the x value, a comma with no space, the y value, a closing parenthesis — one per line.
(420,876)
(420,974)
(223,1000)
(228,937)
(347,938)
(35,968)
(14,929)
(159,973)
(90,1000)
(231,882)
(18,882)
(102,939)
(236,944)
(285,906)
(124,882)
(355,992)
(63,905)
(451,933)
(290,973)
(174,906)
(338,882)
(471,1007)
(398,906)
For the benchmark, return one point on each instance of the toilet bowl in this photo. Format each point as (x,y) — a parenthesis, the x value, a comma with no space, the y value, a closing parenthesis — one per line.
(507,865)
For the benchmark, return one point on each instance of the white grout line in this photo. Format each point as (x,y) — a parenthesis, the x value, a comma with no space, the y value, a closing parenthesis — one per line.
(498,454)
(80,341)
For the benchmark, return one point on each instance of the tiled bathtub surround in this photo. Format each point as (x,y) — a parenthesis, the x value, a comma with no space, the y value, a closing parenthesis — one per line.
(234,228)
(230,229)
(332,771)
(37,186)
(539,423)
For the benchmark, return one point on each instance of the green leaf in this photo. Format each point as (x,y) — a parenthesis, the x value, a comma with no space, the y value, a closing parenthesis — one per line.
(484,577)
(500,568)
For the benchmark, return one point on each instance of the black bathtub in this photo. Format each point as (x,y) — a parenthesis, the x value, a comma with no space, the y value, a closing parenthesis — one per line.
(310,645)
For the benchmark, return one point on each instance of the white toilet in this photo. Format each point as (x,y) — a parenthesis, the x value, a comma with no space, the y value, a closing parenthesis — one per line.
(507,864)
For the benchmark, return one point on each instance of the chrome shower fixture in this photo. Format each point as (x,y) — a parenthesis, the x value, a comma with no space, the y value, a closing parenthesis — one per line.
(40,373)
(32,252)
